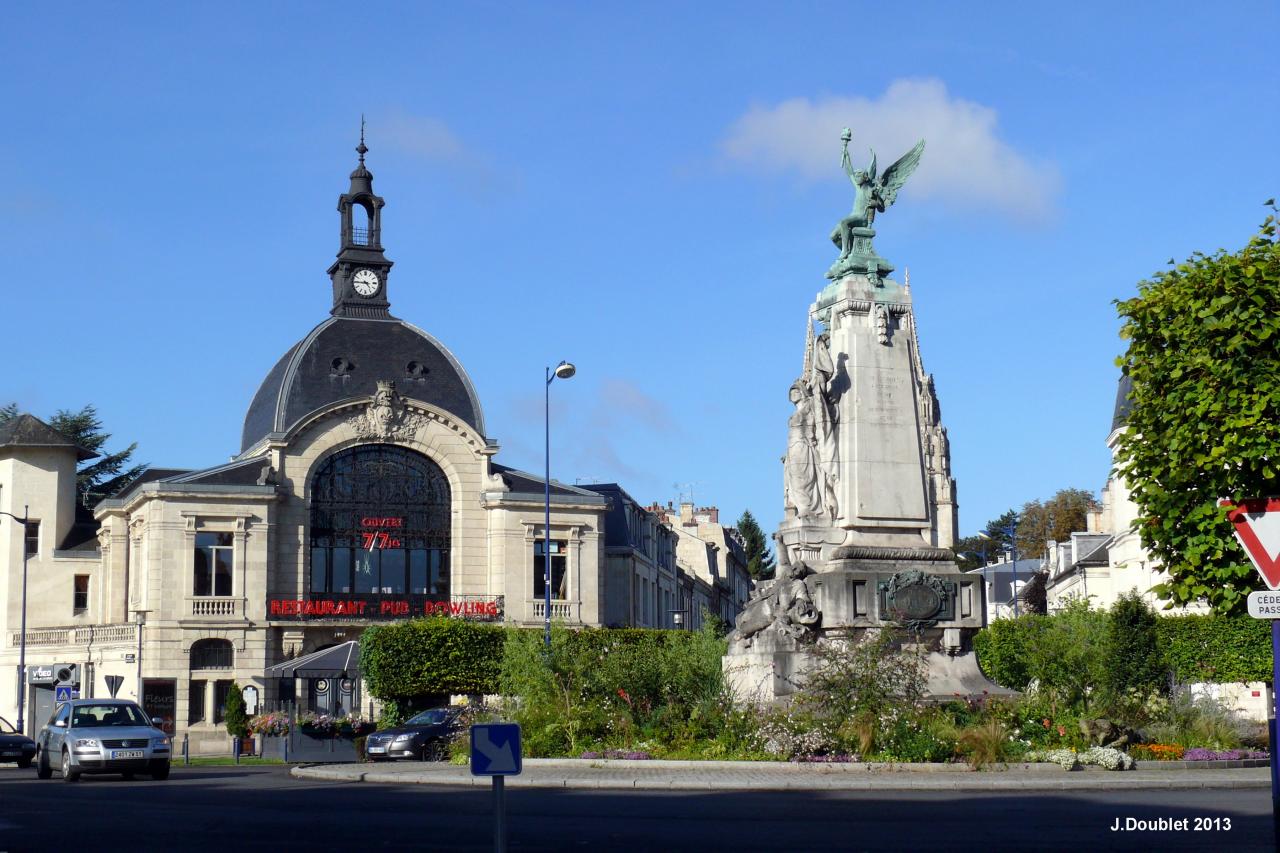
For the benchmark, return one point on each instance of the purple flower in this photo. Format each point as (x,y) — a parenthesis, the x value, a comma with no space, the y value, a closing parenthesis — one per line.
(590,755)
(1202,754)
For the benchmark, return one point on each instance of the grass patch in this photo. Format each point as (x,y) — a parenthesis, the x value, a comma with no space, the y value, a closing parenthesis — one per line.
(226,761)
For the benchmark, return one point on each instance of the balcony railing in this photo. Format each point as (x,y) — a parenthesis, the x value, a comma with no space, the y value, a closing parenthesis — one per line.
(79,636)
(213,606)
(559,609)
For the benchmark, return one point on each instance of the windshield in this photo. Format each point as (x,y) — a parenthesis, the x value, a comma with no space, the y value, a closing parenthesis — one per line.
(430,718)
(114,714)
(6,728)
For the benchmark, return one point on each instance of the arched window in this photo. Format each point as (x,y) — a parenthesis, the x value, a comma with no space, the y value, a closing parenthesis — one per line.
(380,524)
(212,654)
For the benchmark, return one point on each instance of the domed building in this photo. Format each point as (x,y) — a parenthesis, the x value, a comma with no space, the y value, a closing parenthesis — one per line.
(365,489)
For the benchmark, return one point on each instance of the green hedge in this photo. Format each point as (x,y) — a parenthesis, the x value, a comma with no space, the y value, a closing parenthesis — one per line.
(430,656)
(1196,648)
(443,655)
(1217,648)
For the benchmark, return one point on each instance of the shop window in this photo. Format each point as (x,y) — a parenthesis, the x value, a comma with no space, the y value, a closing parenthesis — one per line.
(32,538)
(80,598)
(380,524)
(213,564)
(212,654)
(195,702)
(559,577)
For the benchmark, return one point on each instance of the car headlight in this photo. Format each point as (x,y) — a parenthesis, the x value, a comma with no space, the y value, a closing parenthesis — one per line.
(159,743)
(403,738)
(87,743)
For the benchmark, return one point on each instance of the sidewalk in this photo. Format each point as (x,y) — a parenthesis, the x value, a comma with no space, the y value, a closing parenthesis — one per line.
(781,776)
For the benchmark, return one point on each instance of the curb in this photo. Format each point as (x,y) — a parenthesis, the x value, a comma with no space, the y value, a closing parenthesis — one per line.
(549,773)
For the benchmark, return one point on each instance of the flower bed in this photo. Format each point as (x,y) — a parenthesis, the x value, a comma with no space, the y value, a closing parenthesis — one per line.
(1200,754)
(311,724)
(1157,751)
(1099,756)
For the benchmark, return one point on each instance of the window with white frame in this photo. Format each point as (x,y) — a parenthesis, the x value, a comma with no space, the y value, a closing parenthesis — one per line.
(213,564)
(559,575)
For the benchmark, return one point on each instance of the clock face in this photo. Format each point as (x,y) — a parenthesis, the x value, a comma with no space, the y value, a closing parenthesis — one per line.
(366,282)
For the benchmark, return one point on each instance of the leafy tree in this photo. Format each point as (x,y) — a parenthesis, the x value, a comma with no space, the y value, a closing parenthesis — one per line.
(1034,595)
(1135,662)
(233,713)
(8,411)
(1055,519)
(970,551)
(759,561)
(1204,422)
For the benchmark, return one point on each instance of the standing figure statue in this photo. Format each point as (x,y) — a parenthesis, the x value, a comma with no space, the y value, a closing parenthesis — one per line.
(802,466)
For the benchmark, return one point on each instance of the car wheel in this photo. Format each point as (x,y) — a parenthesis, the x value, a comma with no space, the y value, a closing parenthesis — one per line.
(160,771)
(69,774)
(434,750)
(43,770)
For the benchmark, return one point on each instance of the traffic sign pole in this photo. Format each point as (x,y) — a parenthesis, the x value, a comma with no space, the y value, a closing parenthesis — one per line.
(499,814)
(1275,721)
(1257,528)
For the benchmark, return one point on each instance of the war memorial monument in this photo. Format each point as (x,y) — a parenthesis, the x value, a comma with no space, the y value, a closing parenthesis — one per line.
(870,510)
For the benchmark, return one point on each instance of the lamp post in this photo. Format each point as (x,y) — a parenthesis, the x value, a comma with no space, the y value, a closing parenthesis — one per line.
(140,616)
(22,642)
(563,370)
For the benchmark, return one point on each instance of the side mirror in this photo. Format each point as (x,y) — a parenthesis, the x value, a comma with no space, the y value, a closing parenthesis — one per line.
(62,724)
(158,722)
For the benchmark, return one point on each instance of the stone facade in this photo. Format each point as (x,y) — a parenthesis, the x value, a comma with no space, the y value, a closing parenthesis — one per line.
(199,578)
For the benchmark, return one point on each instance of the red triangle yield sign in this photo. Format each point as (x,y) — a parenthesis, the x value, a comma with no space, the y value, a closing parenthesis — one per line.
(1257,524)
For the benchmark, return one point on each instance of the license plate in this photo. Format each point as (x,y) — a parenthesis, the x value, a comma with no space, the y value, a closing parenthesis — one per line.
(373,749)
(9,754)
(127,753)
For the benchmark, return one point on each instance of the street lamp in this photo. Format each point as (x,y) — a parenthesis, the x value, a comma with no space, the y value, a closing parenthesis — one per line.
(563,370)
(140,617)
(22,643)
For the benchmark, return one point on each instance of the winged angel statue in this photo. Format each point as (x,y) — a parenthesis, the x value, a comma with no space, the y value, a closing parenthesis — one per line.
(873,193)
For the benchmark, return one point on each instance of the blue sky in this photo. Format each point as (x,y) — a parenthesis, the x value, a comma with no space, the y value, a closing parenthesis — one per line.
(643,189)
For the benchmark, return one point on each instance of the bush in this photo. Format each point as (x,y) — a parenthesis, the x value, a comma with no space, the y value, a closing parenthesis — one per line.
(1134,661)
(984,744)
(233,714)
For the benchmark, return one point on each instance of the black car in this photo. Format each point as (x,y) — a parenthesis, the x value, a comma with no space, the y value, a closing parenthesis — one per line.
(425,736)
(15,746)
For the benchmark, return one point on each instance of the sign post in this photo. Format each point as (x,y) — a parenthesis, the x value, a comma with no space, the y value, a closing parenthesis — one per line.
(496,752)
(1257,528)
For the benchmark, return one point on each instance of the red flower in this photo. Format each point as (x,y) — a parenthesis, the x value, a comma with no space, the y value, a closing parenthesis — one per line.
(1046,722)
(1062,731)
(623,694)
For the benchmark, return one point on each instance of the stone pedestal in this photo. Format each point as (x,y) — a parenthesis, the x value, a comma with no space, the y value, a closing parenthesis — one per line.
(870,506)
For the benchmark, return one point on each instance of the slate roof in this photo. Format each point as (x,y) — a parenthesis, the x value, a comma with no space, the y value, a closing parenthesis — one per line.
(30,431)
(1123,404)
(344,357)
(524,482)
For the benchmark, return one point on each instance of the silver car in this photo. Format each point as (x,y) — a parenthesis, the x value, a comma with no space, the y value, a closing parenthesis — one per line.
(101,736)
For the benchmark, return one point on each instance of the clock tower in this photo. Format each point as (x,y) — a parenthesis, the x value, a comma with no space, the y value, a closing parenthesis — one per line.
(360,272)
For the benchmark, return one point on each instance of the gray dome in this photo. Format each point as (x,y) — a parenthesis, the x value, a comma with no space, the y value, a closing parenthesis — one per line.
(344,357)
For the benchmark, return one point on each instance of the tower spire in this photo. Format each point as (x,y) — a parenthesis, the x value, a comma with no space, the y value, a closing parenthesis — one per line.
(362,149)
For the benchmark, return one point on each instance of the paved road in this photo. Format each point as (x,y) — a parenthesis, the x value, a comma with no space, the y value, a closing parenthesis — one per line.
(263,808)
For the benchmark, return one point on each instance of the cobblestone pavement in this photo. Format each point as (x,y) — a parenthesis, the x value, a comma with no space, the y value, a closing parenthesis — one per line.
(730,776)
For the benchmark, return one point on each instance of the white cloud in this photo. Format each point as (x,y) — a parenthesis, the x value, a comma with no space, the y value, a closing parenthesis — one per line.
(964,158)
(423,136)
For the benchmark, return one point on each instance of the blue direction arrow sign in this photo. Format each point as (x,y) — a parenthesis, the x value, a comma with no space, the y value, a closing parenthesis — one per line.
(495,749)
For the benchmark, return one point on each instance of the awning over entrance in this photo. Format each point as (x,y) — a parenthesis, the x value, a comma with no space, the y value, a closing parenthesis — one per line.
(340,661)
